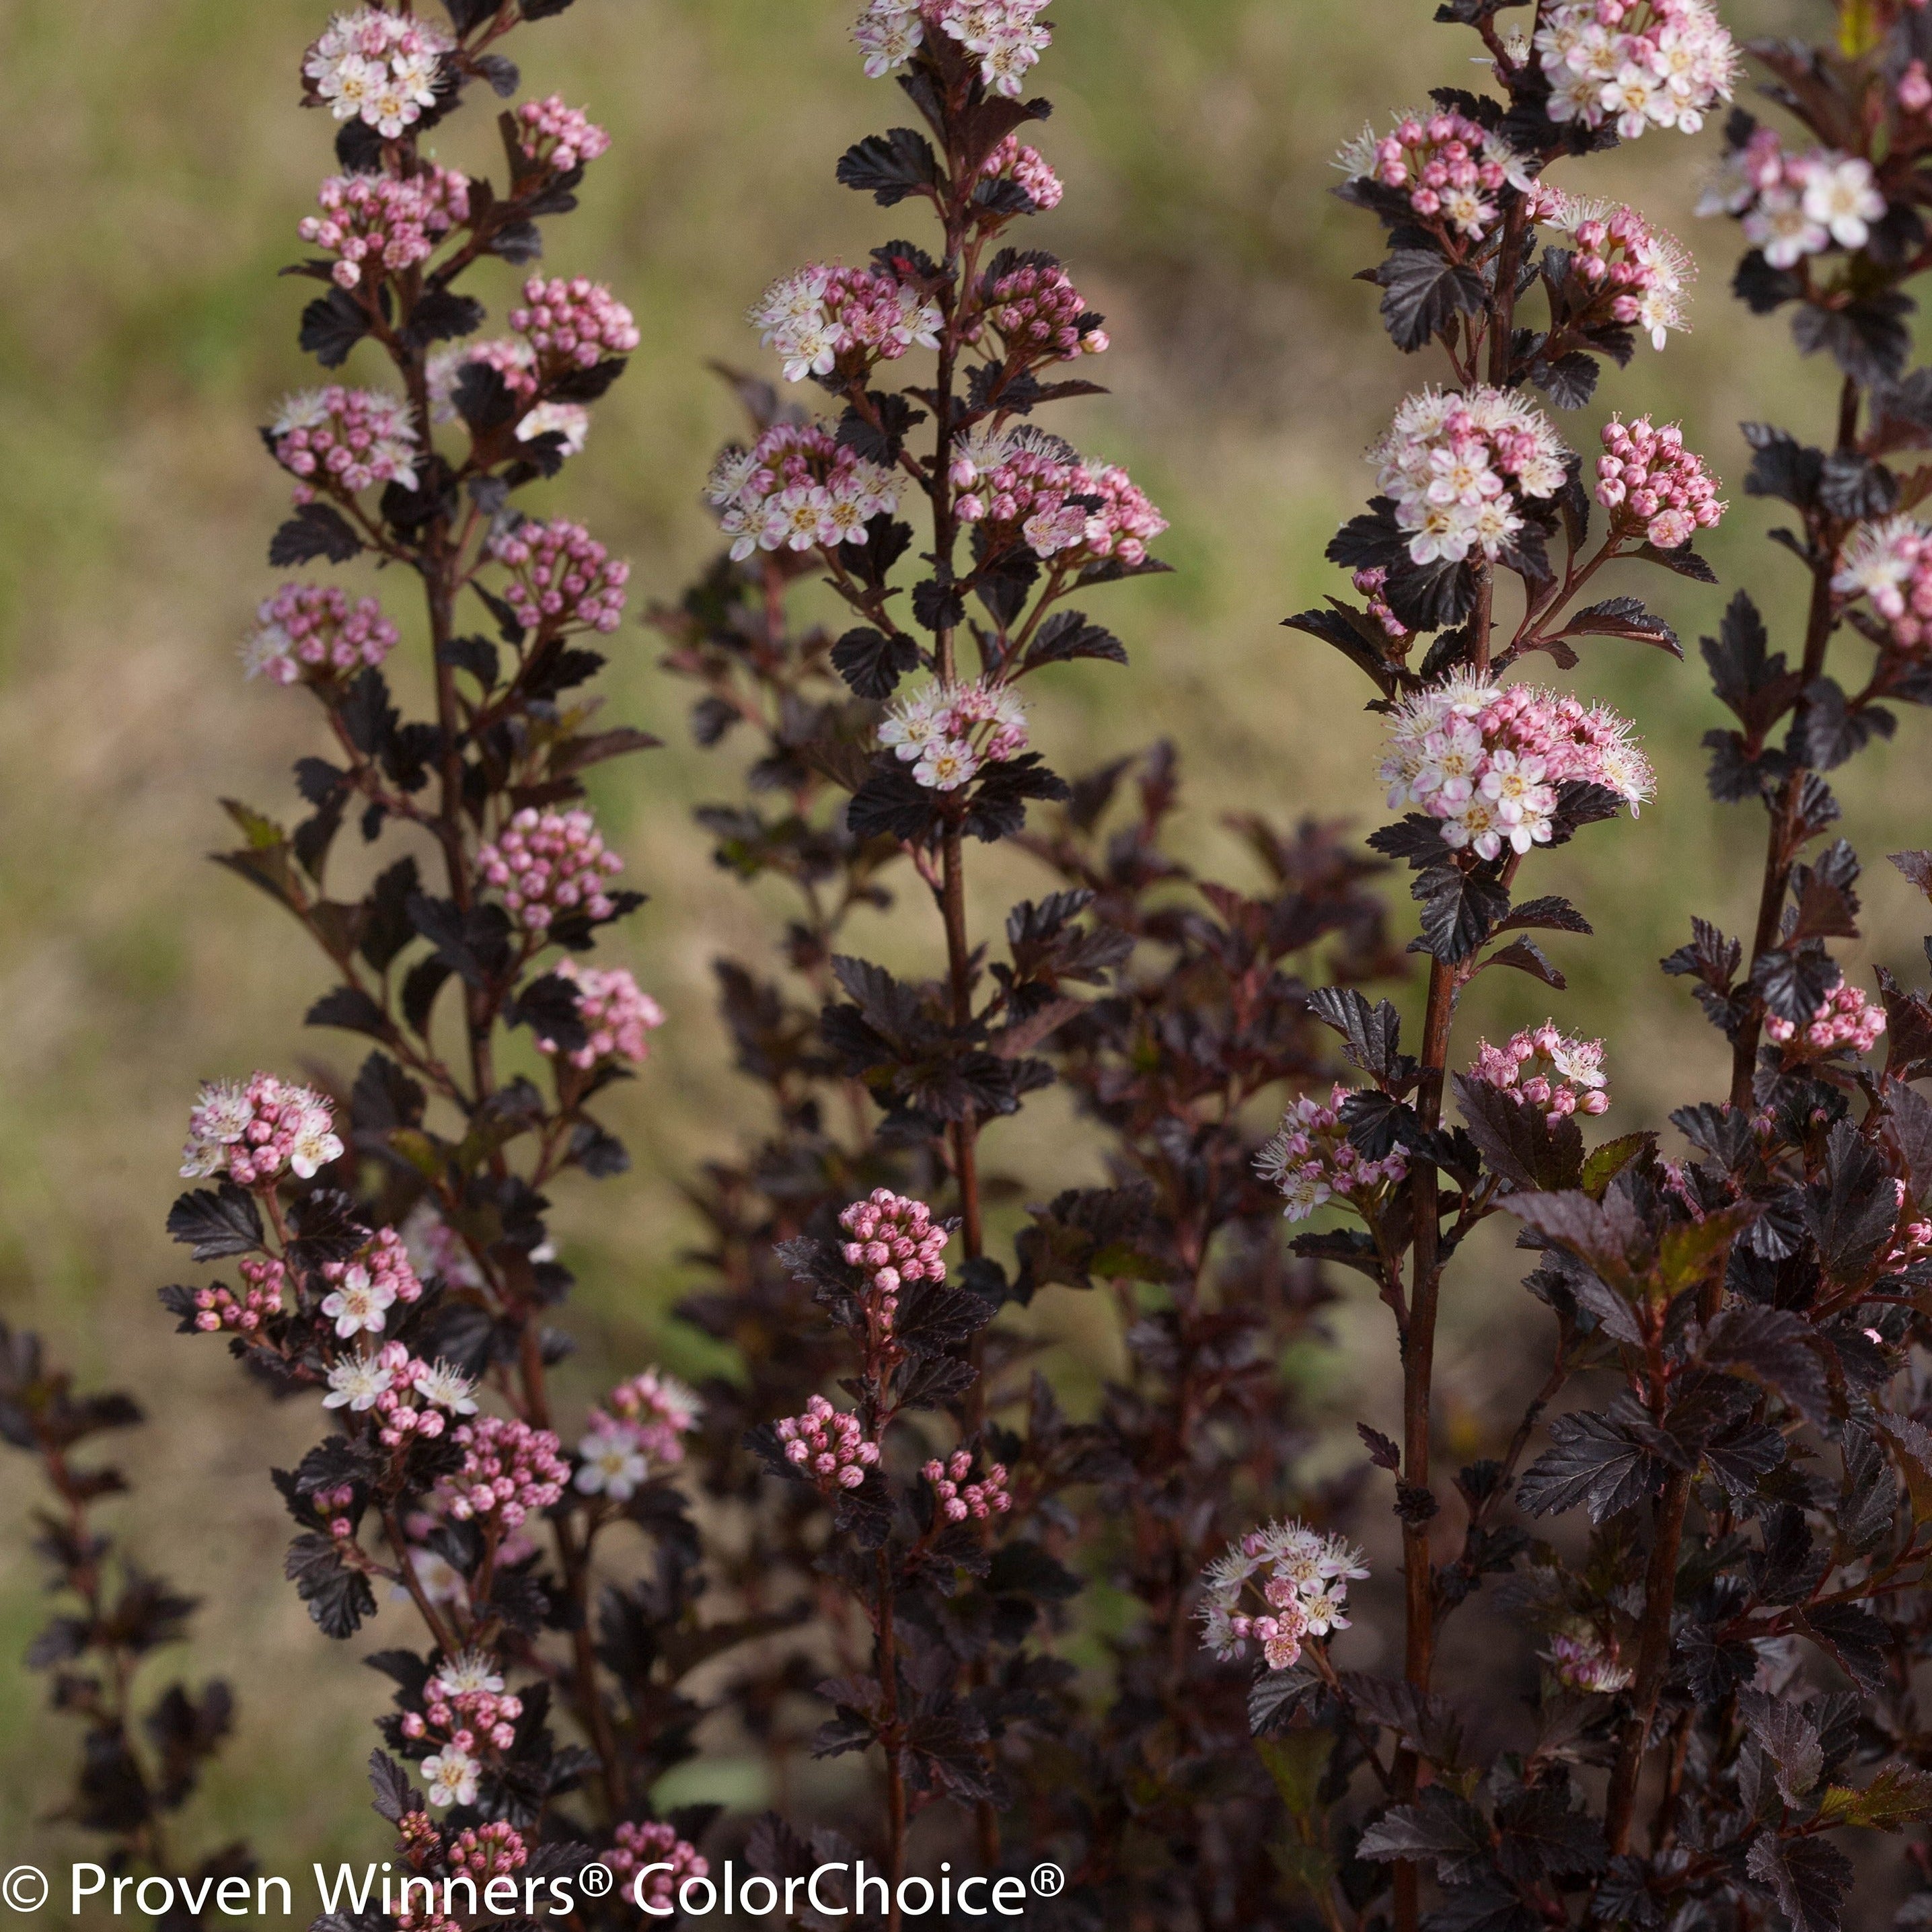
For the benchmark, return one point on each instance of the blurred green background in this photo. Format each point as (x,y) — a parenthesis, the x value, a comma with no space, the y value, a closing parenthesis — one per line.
(155,166)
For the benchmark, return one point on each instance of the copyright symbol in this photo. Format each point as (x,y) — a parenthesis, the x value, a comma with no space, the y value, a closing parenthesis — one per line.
(1047,1881)
(25,1888)
(596,1880)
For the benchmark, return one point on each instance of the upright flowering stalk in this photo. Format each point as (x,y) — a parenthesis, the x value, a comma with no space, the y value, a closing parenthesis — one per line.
(1524,288)
(394,1266)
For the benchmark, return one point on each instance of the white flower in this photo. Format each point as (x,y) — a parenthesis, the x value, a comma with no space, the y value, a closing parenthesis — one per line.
(1343,1562)
(1304,1189)
(469,1673)
(1780,226)
(315,1143)
(445,1388)
(1324,1612)
(452,1776)
(1841,195)
(360,1302)
(613,1466)
(945,765)
(355,1381)
(571,421)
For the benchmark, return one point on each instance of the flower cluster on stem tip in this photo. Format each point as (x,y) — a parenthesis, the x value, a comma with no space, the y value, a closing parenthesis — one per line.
(1638,63)
(1793,205)
(618,1015)
(1651,484)
(1458,466)
(1847,1017)
(559,136)
(947,731)
(895,1239)
(1278,1587)
(1007,34)
(1451,168)
(1586,1664)
(510,1470)
(1027,487)
(639,1845)
(546,863)
(638,1429)
(378,67)
(573,325)
(314,632)
(1312,1160)
(1013,161)
(1542,1067)
(264,1283)
(959,1497)
(1889,564)
(342,441)
(483,1852)
(1641,274)
(561,578)
(1040,316)
(797,488)
(256,1130)
(825,318)
(1487,760)
(830,1448)
(378,224)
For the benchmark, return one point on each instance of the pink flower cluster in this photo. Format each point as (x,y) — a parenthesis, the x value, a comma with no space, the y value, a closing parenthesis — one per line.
(253,1131)
(1794,205)
(828,1448)
(1012,161)
(1639,63)
(314,630)
(947,732)
(378,67)
(1031,486)
(1458,466)
(262,1298)
(1847,1018)
(638,1846)
(559,135)
(361,1290)
(1890,562)
(1452,169)
(797,488)
(466,1703)
(378,224)
(344,440)
(959,1497)
(1005,34)
(641,1423)
(1541,1067)
(547,862)
(1639,275)
(573,325)
(1487,759)
(1041,316)
(512,358)
(1649,482)
(509,1471)
(1301,1579)
(895,1239)
(408,1398)
(561,578)
(1311,1159)
(483,1852)
(616,1013)
(822,317)
(1585,1663)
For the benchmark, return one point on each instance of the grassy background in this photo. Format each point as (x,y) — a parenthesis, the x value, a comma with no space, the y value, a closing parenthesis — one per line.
(156,168)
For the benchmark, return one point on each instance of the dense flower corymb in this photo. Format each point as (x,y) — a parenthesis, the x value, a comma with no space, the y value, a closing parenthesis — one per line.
(1847,1018)
(559,136)
(1641,275)
(1278,1587)
(1311,1159)
(1541,1067)
(675,1860)
(828,1448)
(254,1131)
(1040,316)
(312,631)
(1793,205)
(378,224)
(617,1014)
(1012,161)
(1487,759)
(1890,564)
(509,1470)
(1651,484)
(561,578)
(948,731)
(959,1497)
(573,325)
(547,862)
(345,440)
(822,316)
(1637,63)
(895,1239)
(1460,468)
(1007,35)
(1028,486)
(797,488)
(639,1427)
(376,66)
(1451,169)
